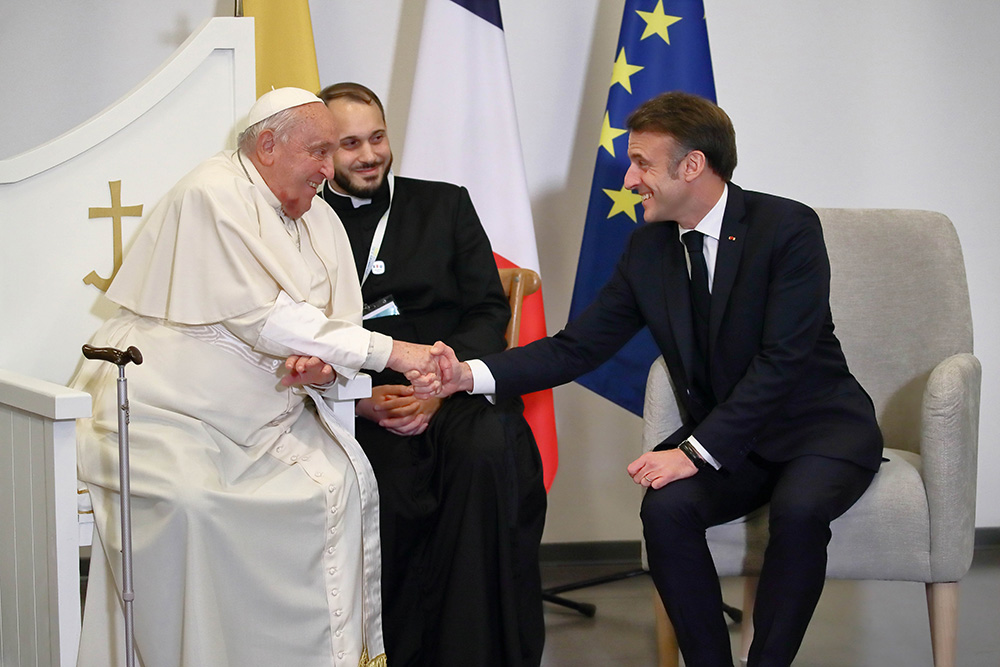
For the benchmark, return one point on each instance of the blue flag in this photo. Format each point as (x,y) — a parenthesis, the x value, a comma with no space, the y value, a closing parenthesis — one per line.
(662,46)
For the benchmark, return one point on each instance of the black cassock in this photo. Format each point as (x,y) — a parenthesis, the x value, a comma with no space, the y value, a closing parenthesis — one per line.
(462,504)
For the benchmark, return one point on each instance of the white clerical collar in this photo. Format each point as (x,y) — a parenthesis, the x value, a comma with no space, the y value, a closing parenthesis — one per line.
(711,224)
(357,202)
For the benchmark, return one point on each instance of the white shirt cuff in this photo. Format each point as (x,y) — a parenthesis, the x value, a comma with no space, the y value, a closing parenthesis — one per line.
(379,351)
(704,453)
(483,381)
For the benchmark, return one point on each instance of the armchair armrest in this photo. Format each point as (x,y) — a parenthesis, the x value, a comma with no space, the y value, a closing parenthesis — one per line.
(346,389)
(343,392)
(948,448)
(660,414)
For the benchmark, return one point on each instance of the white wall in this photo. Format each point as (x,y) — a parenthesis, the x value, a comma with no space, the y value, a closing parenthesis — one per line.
(853,103)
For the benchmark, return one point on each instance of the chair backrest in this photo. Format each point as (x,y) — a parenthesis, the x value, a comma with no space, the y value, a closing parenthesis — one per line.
(900,305)
(517,284)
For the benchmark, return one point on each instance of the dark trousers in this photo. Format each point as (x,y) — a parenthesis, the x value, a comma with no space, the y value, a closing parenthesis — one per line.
(805,495)
(462,508)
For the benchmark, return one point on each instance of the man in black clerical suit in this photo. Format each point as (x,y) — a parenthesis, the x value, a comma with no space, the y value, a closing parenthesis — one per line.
(734,286)
(460,480)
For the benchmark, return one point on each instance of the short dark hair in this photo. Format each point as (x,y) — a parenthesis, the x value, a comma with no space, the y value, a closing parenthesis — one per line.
(696,124)
(352,91)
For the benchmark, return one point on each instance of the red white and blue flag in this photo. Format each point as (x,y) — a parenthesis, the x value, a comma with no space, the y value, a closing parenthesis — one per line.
(463,129)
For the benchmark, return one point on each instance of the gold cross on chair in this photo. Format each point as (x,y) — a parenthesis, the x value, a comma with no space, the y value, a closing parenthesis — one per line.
(116,212)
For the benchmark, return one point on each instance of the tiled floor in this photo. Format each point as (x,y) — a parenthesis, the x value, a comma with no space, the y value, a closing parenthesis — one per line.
(857,624)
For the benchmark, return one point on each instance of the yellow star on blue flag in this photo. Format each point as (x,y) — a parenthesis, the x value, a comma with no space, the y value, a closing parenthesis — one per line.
(609,134)
(623,71)
(657,22)
(625,202)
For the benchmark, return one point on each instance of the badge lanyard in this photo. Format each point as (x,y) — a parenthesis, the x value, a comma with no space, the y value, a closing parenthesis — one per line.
(379,233)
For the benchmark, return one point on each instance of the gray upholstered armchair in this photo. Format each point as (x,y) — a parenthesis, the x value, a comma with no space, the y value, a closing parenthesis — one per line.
(901,307)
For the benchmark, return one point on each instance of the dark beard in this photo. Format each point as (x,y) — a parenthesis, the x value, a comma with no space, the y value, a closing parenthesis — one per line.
(361,192)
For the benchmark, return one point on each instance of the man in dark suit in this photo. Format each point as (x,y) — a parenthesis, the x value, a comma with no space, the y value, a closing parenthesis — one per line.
(734,286)
(462,502)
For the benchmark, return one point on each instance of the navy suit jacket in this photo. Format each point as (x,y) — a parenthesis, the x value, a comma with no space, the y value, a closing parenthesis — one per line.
(782,385)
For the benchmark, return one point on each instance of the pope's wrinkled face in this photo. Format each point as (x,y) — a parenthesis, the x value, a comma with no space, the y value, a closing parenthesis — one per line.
(363,155)
(302,159)
(654,173)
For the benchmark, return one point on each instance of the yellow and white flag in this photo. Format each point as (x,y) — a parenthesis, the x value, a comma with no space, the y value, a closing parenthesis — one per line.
(286,54)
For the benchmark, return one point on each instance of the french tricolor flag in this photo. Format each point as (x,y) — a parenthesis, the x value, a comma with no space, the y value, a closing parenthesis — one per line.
(463,129)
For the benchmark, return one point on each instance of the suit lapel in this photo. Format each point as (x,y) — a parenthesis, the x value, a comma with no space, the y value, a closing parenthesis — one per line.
(727,260)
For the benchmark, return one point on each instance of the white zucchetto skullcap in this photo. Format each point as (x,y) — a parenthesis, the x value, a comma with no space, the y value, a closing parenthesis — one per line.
(274,101)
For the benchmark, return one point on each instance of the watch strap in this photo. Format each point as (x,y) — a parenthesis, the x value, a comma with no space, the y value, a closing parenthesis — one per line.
(692,454)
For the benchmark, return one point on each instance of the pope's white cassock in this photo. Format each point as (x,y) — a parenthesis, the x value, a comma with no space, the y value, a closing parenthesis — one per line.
(255,515)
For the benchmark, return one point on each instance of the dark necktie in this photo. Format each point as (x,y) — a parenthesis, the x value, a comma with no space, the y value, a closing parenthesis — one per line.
(700,300)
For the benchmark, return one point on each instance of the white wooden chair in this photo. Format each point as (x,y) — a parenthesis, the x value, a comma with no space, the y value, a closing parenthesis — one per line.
(55,221)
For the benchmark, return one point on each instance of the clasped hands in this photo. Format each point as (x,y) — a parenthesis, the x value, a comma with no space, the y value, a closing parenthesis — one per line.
(433,370)
(441,374)
(400,409)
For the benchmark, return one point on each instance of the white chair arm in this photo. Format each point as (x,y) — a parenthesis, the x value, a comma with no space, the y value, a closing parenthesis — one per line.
(344,389)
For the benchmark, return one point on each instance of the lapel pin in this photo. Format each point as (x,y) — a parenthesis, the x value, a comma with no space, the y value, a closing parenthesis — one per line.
(732,238)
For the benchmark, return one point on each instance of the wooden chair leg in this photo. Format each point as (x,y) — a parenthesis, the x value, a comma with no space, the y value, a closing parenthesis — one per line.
(666,641)
(942,608)
(746,627)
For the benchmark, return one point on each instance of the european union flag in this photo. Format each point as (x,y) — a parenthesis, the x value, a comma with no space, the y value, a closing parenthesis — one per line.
(662,46)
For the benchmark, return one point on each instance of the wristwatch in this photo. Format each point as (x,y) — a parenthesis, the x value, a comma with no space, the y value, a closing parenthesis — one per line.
(692,454)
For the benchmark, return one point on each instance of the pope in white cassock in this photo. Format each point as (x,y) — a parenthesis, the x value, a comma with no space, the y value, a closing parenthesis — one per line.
(254,513)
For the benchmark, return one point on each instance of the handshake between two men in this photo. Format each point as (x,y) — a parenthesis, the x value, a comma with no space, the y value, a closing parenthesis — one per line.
(436,373)
(434,370)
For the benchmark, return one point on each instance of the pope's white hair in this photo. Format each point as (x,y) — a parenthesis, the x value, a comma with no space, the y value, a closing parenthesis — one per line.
(280,123)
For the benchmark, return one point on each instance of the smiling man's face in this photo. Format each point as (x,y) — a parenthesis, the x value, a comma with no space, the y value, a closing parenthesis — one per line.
(363,154)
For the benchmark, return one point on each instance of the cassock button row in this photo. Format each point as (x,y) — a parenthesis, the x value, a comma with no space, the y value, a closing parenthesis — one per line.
(295,457)
(340,654)
(319,473)
(331,488)
(330,550)
(339,633)
(279,448)
(332,570)
(335,592)
(305,458)
(339,612)
(333,510)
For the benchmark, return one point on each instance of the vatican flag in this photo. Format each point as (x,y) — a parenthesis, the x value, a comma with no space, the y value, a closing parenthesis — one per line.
(286,55)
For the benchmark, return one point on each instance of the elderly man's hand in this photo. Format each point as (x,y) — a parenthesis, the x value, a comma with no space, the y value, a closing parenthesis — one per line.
(307,370)
(452,376)
(416,362)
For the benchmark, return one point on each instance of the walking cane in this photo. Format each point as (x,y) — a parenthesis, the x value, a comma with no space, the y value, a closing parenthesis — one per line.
(120,359)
